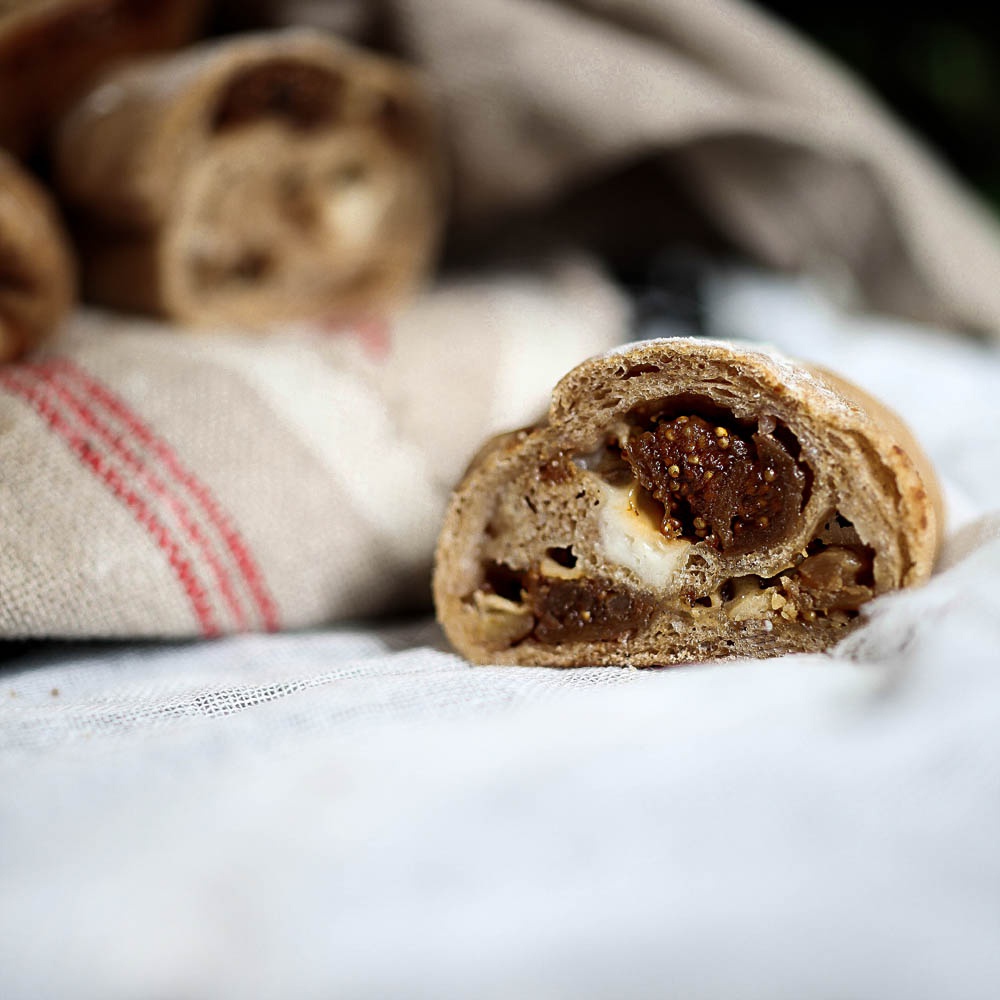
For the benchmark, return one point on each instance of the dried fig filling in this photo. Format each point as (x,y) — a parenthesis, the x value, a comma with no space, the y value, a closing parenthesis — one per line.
(735,491)
(306,97)
(702,477)
(833,582)
(582,610)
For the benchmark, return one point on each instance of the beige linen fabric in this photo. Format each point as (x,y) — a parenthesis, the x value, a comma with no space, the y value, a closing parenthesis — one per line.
(784,153)
(158,483)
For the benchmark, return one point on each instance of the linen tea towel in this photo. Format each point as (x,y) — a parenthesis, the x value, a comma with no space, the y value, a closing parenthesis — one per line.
(157,483)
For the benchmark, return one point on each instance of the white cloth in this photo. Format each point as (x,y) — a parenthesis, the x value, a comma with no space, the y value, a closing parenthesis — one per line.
(358,813)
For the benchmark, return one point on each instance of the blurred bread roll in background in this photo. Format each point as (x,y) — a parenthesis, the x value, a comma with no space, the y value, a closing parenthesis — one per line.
(37,280)
(51,50)
(257,178)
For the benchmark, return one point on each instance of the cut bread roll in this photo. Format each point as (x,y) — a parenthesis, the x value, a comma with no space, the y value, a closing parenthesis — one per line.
(260,178)
(685,500)
(37,279)
(51,50)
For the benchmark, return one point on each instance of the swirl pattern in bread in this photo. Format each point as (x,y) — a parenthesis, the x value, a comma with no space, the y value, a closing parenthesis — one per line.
(685,500)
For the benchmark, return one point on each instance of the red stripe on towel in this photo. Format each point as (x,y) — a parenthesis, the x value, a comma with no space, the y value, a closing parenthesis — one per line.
(214,513)
(150,480)
(81,447)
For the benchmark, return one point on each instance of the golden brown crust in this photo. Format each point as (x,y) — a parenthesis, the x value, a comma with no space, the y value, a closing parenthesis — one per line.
(869,520)
(335,150)
(51,51)
(37,281)
(902,436)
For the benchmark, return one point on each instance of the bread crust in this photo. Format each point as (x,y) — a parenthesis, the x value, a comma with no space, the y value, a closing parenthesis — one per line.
(37,275)
(868,481)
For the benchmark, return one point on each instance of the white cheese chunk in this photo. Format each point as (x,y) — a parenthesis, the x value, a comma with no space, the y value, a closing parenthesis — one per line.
(631,537)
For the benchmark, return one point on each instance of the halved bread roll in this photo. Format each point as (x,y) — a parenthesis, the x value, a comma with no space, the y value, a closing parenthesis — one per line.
(258,178)
(37,276)
(685,500)
(51,50)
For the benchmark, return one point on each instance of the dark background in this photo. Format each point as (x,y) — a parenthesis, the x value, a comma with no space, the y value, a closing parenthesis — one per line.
(939,70)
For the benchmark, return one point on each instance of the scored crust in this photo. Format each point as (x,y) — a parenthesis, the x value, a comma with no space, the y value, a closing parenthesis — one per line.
(254,179)
(685,500)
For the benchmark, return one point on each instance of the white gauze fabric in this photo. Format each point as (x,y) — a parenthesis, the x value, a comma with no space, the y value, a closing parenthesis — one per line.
(357,813)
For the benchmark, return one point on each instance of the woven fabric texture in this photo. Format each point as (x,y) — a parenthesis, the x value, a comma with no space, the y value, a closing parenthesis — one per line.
(158,483)
(358,813)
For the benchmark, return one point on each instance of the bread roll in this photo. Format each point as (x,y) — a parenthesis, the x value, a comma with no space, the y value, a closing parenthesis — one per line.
(51,50)
(37,278)
(685,500)
(254,179)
